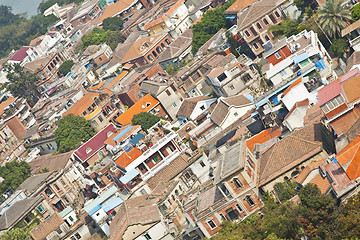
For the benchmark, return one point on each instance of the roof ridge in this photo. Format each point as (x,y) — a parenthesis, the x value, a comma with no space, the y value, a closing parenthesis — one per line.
(315,143)
(271,154)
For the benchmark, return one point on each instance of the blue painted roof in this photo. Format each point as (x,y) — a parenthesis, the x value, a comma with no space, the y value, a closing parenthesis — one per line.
(100,199)
(301,57)
(94,210)
(113,204)
(137,138)
(122,133)
(129,176)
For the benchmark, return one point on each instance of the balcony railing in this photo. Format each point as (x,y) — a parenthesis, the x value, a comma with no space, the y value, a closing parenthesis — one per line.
(160,165)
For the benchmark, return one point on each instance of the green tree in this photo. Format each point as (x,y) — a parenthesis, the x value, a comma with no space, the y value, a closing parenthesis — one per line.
(113,23)
(287,28)
(71,131)
(349,218)
(21,83)
(333,17)
(16,234)
(46,4)
(99,36)
(145,120)
(285,190)
(66,67)
(6,16)
(233,43)
(355,12)
(339,46)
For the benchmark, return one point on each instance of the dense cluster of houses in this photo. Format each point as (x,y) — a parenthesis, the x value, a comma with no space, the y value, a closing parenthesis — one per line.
(231,128)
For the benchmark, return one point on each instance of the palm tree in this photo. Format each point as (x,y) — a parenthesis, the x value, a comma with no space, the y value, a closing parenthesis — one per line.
(333,17)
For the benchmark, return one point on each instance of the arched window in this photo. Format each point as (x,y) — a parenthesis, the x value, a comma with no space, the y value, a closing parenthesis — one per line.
(167,41)
(163,45)
(150,57)
(155,54)
(158,50)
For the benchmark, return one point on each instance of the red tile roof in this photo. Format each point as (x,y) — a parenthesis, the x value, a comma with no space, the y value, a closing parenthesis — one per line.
(302,103)
(349,159)
(291,86)
(263,137)
(329,92)
(126,158)
(20,55)
(92,146)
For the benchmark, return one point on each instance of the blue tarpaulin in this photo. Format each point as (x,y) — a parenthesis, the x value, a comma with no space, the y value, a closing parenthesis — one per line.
(274,99)
(320,64)
(129,175)
(122,133)
(300,58)
(113,204)
(127,148)
(137,138)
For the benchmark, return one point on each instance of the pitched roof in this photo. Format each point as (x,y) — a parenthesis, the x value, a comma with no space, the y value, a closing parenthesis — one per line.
(20,54)
(354,59)
(170,171)
(53,163)
(114,9)
(291,86)
(39,63)
(238,5)
(328,92)
(165,16)
(80,106)
(42,230)
(322,183)
(126,158)
(177,47)
(349,159)
(352,88)
(256,10)
(92,146)
(145,104)
(263,137)
(222,107)
(350,28)
(5,104)
(289,152)
(137,210)
(216,72)
(31,184)
(188,105)
(303,103)
(18,211)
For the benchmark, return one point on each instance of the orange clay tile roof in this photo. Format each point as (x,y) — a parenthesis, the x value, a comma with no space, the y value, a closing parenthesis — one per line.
(138,107)
(118,78)
(107,91)
(351,88)
(80,106)
(155,22)
(135,51)
(115,8)
(98,86)
(349,159)
(291,86)
(5,104)
(263,137)
(322,183)
(126,158)
(239,5)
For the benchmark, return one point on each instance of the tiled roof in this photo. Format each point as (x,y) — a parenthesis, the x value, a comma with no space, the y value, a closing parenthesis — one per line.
(145,104)
(289,152)
(238,5)
(263,137)
(291,86)
(141,210)
(349,159)
(299,104)
(322,183)
(351,88)
(126,158)
(115,8)
(256,10)
(80,106)
(354,59)
(177,47)
(42,230)
(31,184)
(39,63)
(328,92)
(216,72)
(165,16)
(345,122)
(20,55)
(188,105)
(170,171)
(97,142)
(53,163)
(204,48)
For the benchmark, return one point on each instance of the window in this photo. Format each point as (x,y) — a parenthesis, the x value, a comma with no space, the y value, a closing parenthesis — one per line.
(202,107)
(272,18)
(187,175)
(253,31)
(72,238)
(71,218)
(211,224)
(237,183)
(258,25)
(143,191)
(222,217)
(277,14)
(168,92)
(255,45)
(277,55)
(77,235)
(59,231)
(239,208)
(174,104)
(100,119)
(94,123)
(283,72)
(236,114)
(100,59)
(88,150)
(232,87)
(267,38)
(41,208)
(163,207)
(333,103)
(247,33)
(177,193)
(250,200)
(147,236)
(222,77)
(265,21)
(56,187)
(62,182)
(202,164)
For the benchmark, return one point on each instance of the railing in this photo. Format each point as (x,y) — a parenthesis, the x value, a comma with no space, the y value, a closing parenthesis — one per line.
(159,143)
(161,165)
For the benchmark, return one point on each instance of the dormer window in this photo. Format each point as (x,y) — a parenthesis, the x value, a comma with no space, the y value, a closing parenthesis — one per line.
(148,104)
(88,150)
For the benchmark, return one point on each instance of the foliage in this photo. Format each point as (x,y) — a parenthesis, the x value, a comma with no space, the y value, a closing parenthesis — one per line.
(333,17)
(233,43)
(303,5)
(46,4)
(44,170)
(6,16)
(21,83)
(66,67)
(145,119)
(99,36)
(355,12)
(170,69)
(285,190)
(71,131)
(211,22)
(339,46)
(16,234)
(113,23)
(288,27)
(14,173)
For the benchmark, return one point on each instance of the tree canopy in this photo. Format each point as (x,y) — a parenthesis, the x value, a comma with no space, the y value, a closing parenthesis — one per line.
(21,83)
(71,131)
(66,67)
(99,36)
(315,217)
(355,12)
(13,173)
(145,120)
(113,23)
(46,4)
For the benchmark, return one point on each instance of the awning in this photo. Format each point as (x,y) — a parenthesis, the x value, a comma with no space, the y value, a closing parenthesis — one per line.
(137,138)
(231,17)
(122,133)
(129,176)
(94,210)
(300,58)
(113,204)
